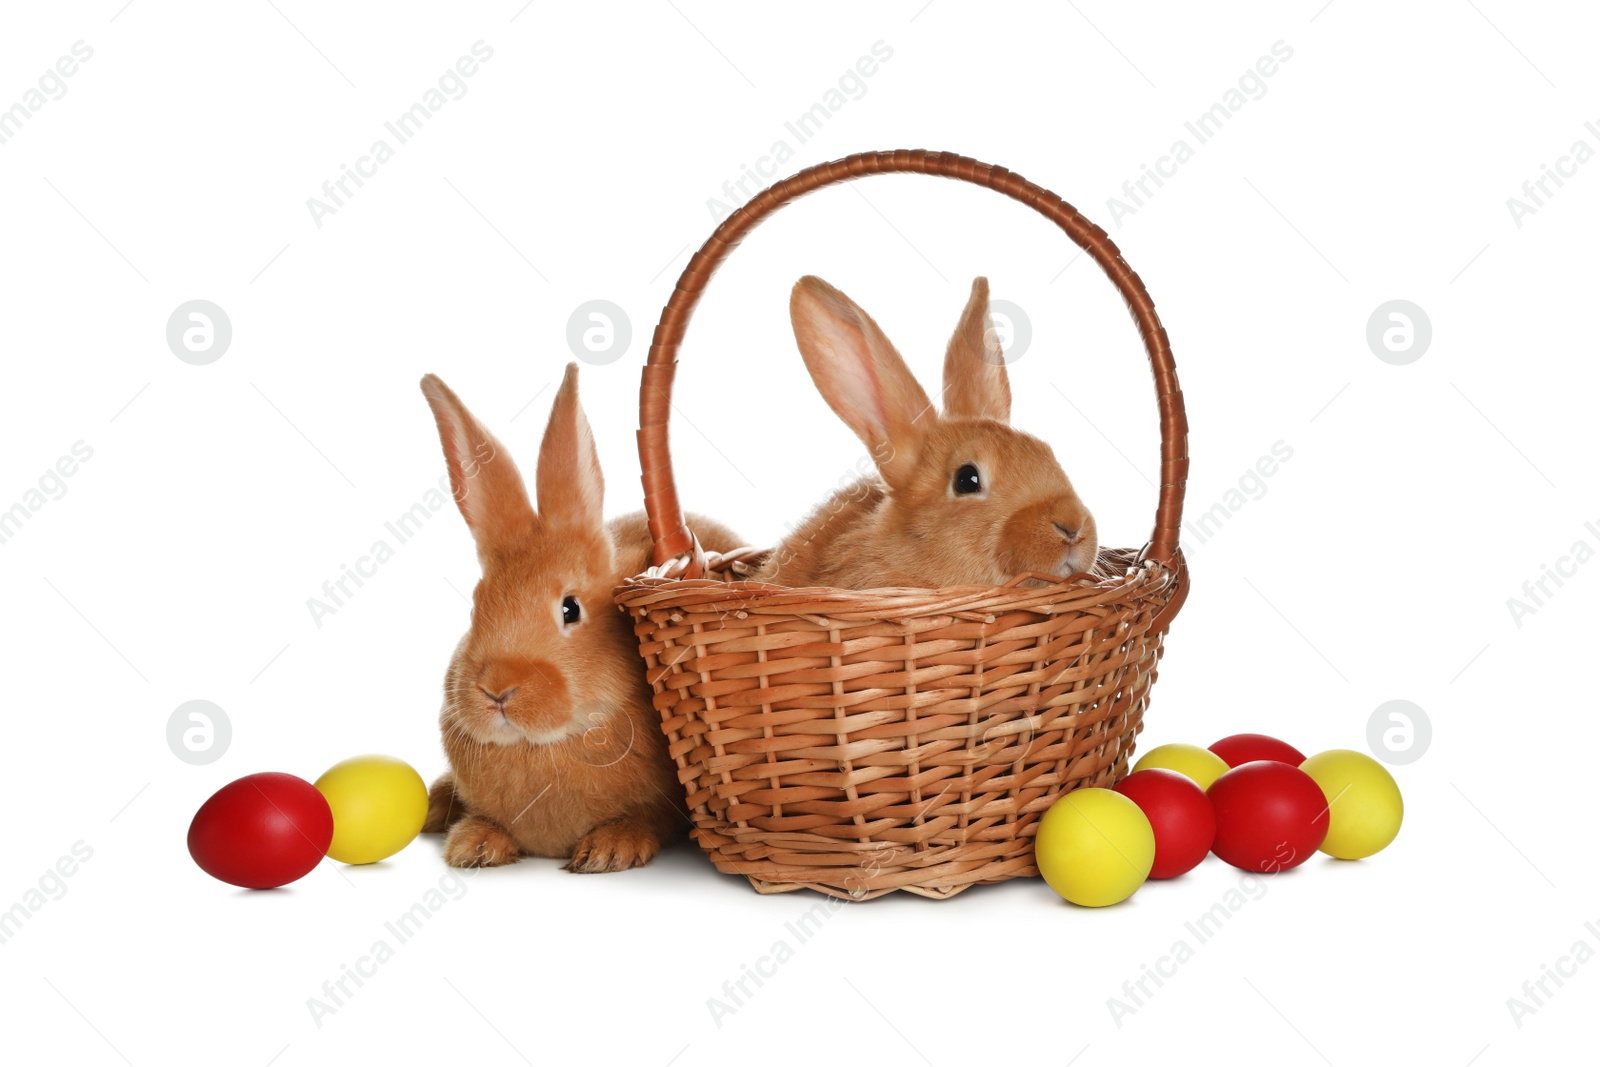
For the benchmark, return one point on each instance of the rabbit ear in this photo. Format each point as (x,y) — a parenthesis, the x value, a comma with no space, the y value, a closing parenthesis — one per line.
(975,382)
(860,375)
(483,478)
(569,483)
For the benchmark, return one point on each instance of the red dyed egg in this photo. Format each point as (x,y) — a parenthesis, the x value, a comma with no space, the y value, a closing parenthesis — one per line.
(1180,815)
(262,831)
(1247,748)
(1270,816)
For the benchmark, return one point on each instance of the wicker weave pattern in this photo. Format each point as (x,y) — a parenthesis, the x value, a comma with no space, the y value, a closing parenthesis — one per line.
(857,742)
(909,746)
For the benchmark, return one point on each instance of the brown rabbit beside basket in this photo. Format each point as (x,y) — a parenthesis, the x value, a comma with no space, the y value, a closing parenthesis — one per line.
(859,741)
(546,721)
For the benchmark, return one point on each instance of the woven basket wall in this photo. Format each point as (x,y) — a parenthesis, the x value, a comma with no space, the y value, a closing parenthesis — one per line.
(857,742)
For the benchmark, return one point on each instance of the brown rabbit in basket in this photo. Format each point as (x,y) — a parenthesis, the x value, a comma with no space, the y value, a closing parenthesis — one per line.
(961,497)
(554,746)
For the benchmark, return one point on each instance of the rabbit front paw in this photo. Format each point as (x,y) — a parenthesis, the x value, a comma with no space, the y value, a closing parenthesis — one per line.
(614,846)
(477,842)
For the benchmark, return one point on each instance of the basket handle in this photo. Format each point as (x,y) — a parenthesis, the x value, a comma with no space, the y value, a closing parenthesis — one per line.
(673,537)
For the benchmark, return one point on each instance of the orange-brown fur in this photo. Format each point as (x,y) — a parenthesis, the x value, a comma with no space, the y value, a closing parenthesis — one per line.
(571,762)
(907,527)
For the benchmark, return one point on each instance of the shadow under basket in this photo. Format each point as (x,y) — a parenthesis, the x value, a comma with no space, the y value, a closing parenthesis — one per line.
(857,742)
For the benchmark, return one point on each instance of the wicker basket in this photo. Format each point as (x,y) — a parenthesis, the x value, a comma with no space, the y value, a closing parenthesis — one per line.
(856,742)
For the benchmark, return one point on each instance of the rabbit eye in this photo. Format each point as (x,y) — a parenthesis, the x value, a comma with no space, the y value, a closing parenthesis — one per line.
(967,480)
(570,612)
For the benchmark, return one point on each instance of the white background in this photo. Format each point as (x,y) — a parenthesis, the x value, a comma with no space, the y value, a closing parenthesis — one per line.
(1377,564)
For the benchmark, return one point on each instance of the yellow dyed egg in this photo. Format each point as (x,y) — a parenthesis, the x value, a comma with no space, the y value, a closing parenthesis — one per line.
(1364,805)
(379,804)
(1200,765)
(1094,847)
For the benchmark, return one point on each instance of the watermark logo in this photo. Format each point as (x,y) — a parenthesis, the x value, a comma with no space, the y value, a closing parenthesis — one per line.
(199,332)
(1011,331)
(1399,732)
(1399,332)
(199,732)
(599,332)
(604,743)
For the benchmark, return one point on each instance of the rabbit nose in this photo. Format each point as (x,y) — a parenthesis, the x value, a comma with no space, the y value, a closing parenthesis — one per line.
(1067,533)
(500,698)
